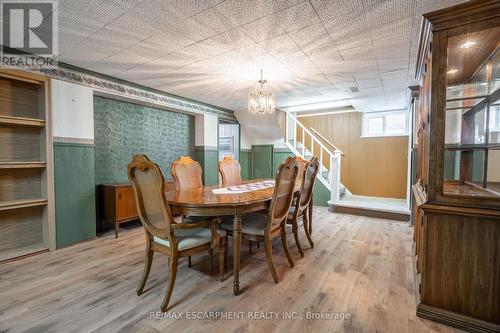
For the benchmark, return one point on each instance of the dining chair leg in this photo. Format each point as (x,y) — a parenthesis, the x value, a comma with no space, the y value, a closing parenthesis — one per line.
(171,281)
(295,229)
(285,245)
(211,256)
(250,246)
(222,256)
(147,267)
(269,250)
(310,212)
(189,261)
(305,222)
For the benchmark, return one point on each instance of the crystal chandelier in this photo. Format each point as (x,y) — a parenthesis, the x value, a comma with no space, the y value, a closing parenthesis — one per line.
(260,99)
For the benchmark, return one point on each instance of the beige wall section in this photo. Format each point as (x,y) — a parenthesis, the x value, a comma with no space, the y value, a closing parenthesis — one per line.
(371,166)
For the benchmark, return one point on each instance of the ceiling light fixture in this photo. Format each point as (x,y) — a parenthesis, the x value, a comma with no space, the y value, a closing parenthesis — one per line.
(260,99)
(468,44)
(452,71)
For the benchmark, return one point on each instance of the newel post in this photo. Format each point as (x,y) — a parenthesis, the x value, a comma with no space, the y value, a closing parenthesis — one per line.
(335,160)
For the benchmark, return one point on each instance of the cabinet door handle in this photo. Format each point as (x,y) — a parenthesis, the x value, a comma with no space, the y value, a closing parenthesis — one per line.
(119,196)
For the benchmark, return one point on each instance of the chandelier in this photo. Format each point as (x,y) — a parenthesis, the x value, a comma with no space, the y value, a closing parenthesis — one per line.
(260,99)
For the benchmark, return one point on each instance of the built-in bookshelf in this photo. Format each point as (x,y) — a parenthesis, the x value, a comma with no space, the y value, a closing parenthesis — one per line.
(26,185)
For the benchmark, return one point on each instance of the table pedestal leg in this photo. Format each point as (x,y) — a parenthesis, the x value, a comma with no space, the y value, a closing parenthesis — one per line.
(236,252)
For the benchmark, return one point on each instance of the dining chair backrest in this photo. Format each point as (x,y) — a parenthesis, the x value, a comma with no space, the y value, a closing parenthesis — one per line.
(186,173)
(309,176)
(302,165)
(230,171)
(284,188)
(148,186)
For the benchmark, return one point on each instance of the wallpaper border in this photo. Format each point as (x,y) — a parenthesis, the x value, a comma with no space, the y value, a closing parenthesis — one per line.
(117,86)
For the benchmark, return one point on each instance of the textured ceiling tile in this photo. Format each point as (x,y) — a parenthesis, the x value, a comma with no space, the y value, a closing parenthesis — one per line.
(328,9)
(263,28)
(118,63)
(98,10)
(426,6)
(211,21)
(225,60)
(379,12)
(245,11)
(107,42)
(212,50)
(298,16)
(188,8)
(308,36)
(232,39)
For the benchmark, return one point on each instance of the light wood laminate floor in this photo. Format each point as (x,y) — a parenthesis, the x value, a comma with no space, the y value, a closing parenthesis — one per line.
(361,266)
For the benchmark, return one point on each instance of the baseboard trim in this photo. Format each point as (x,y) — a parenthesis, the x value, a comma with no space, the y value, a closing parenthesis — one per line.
(456,320)
(369,213)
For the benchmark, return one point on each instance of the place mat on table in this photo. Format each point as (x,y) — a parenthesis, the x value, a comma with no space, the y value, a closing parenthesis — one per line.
(244,187)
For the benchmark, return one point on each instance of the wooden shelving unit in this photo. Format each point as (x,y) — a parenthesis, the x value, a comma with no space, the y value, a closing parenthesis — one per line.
(21,121)
(26,184)
(16,204)
(22,165)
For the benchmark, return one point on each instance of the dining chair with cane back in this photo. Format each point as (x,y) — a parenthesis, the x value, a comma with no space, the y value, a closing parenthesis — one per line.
(300,211)
(163,235)
(230,171)
(264,228)
(186,173)
(230,174)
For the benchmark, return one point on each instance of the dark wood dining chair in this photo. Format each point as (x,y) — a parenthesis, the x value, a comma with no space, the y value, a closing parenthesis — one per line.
(230,171)
(264,228)
(163,235)
(303,202)
(186,173)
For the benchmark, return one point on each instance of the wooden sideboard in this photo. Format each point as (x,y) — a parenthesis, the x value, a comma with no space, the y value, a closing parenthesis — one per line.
(117,203)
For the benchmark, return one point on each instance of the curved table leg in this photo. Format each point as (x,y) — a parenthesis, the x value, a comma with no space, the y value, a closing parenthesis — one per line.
(236,252)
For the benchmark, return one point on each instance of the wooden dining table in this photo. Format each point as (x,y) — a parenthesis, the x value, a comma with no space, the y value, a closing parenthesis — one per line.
(203,202)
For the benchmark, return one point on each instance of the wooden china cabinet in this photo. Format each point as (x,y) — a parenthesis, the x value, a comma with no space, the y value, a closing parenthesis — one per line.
(457,194)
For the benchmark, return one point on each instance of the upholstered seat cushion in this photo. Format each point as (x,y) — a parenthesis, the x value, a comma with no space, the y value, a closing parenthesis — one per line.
(251,224)
(189,238)
(291,211)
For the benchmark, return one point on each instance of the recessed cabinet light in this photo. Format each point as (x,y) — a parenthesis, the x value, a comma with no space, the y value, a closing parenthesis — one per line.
(452,71)
(468,44)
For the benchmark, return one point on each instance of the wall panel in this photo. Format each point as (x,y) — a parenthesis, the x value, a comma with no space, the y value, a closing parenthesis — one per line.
(371,166)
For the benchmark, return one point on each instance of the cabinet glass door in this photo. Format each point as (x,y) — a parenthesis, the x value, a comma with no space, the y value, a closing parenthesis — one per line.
(472,121)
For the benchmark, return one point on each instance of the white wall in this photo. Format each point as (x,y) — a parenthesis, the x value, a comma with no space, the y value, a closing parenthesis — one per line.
(72,110)
(206,127)
(258,129)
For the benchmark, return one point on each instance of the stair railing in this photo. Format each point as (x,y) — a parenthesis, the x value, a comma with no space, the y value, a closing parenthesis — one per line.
(292,125)
(326,140)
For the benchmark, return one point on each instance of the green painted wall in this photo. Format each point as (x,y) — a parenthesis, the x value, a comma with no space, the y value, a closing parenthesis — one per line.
(74,192)
(280,155)
(246,164)
(262,161)
(122,129)
(208,157)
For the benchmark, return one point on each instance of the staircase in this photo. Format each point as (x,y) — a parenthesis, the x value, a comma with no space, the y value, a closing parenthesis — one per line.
(305,143)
